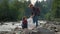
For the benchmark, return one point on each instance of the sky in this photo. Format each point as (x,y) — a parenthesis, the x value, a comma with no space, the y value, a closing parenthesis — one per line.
(33,1)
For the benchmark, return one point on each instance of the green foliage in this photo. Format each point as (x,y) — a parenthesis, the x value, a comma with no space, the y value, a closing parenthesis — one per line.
(3,9)
(47,16)
(12,11)
(55,11)
(15,10)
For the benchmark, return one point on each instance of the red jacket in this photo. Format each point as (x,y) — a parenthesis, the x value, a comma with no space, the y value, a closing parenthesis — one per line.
(24,22)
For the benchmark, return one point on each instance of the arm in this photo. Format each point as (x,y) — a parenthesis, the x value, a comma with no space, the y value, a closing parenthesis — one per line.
(38,11)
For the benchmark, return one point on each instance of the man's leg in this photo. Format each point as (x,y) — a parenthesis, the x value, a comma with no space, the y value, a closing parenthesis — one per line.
(36,20)
(36,23)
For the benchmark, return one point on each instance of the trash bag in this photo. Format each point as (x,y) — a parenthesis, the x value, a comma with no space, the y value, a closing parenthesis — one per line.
(31,25)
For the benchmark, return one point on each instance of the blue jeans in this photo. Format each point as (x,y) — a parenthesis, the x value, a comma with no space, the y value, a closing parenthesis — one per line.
(35,20)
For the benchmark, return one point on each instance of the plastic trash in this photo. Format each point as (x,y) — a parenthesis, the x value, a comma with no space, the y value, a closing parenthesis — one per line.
(31,25)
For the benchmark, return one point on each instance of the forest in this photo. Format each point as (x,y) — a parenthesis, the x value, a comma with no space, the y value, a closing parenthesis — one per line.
(14,10)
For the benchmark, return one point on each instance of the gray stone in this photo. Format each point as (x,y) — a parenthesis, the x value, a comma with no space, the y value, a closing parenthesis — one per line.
(43,31)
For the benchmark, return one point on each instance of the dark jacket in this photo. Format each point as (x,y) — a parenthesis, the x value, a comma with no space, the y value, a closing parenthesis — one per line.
(35,11)
(24,22)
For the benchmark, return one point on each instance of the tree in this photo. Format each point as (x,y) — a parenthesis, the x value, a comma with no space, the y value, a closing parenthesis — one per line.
(56,9)
(54,13)
(4,9)
(27,9)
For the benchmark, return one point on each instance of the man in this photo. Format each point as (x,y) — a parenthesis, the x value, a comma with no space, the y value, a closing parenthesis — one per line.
(35,13)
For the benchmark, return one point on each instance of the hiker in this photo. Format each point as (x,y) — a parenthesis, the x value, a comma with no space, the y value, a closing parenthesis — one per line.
(24,22)
(35,13)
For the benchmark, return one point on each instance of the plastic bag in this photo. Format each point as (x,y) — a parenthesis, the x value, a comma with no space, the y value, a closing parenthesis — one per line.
(31,25)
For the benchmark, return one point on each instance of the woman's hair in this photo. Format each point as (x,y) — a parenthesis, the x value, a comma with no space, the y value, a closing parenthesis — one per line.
(24,17)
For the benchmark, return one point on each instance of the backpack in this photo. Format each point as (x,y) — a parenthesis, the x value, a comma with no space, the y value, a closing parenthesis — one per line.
(36,11)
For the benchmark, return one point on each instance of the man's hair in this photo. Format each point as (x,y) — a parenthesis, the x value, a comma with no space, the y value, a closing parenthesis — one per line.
(30,5)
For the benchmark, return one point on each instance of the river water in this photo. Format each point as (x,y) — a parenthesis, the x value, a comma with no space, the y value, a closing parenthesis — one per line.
(7,26)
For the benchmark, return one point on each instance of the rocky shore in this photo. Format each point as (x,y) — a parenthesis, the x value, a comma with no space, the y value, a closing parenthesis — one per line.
(47,28)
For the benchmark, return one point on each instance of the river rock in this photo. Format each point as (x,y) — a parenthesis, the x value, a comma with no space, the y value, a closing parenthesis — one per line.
(42,31)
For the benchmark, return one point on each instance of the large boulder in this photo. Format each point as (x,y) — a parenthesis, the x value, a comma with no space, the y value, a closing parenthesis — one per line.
(42,31)
(38,31)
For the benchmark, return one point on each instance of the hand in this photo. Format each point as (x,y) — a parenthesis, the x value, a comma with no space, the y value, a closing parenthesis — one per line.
(31,16)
